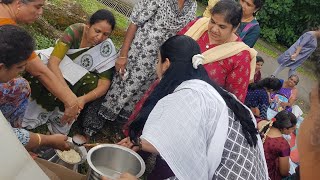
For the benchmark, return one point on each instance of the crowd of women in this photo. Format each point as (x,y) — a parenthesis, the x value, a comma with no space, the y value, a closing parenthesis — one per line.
(187,90)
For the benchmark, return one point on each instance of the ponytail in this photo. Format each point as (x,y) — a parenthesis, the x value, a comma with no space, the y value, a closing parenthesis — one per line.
(268,83)
(265,129)
(283,120)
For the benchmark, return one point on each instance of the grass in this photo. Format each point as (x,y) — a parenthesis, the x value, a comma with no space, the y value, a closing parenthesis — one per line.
(200,9)
(259,46)
(90,6)
(306,69)
(43,42)
(279,47)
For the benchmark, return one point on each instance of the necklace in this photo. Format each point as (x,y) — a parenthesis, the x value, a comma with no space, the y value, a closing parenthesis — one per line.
(249,19)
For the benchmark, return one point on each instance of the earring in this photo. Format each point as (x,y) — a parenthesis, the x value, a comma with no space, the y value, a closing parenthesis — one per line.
(17,13)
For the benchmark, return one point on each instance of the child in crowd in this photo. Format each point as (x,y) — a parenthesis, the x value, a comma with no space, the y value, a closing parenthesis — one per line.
(276,147)
(257,98)
(259,64)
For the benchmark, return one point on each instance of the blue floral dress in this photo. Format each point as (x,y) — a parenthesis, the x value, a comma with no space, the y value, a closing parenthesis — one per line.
(14,100)
(13,103)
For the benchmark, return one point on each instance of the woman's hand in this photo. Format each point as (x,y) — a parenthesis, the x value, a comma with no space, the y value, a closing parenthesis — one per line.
(123,176)
(121,63)
(255,111)
(81,102)
(126,142)
(293,57)
(284,104)
(127,176)
(58,141)
(70,113)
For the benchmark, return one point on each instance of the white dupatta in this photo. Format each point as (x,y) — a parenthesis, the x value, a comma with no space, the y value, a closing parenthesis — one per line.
(98,59)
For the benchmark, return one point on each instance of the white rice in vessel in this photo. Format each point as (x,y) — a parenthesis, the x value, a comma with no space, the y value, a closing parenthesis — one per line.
(70,156)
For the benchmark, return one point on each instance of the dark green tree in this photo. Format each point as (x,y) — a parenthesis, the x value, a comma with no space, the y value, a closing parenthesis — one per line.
(284,21)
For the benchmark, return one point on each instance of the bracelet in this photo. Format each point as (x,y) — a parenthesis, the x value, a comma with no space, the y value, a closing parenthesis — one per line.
(122,57)
(75,104)
(39,138)
(138,143)
(95,94)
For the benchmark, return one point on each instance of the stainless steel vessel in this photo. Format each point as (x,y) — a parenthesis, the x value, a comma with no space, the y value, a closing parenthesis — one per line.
(110,160)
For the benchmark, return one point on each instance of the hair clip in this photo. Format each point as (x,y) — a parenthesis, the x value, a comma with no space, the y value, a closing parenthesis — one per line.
(197,60)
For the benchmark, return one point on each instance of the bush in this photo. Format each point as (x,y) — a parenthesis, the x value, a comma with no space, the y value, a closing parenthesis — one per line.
(117,37)
(284,21)
(43,42)
(204,2)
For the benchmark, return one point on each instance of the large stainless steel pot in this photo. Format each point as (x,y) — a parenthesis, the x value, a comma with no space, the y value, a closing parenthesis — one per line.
(110,160)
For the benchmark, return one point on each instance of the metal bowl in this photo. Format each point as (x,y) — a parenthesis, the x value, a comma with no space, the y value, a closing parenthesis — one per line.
(82,152)
(111,160)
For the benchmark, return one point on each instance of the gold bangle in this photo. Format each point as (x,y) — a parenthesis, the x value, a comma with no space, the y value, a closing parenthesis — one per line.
(76,103)
(39,138)
(122,57)
(95,94)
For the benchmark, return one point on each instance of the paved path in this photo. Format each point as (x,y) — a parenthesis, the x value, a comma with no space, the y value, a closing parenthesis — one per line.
(304,87)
